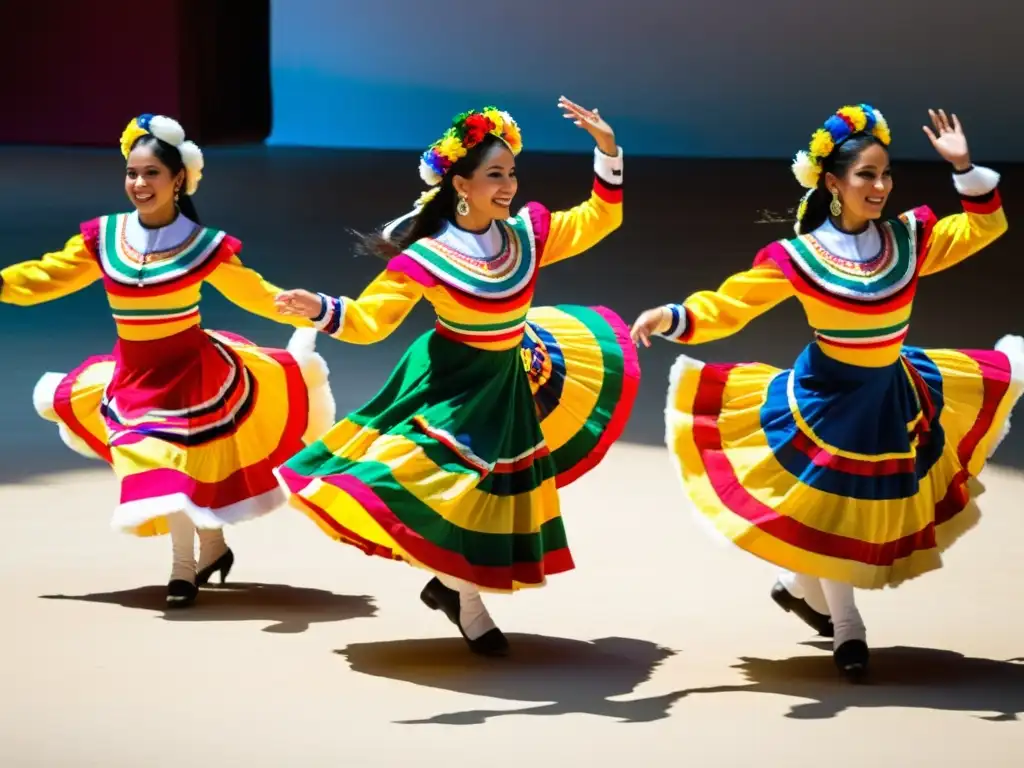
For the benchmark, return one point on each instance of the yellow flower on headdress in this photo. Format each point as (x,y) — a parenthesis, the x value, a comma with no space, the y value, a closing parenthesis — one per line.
(881,130)
(497,118)
(856,116)
(822,143)
(130,136)
(451,148)
(510,134)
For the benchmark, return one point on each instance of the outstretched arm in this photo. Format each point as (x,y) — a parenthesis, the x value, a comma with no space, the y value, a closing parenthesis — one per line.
(710,315)
(952,239)
(50,277)
(247,289)
(372,317)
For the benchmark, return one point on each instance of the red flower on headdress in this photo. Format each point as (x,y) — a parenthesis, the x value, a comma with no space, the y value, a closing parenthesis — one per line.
(476,127)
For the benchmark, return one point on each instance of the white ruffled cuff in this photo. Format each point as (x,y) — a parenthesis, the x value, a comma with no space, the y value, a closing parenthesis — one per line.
(976,182)
(608,167)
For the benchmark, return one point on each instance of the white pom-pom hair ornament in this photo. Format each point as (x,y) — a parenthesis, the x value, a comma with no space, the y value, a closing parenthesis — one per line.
(806,170)
(428,174)
(192,159)
(167,129)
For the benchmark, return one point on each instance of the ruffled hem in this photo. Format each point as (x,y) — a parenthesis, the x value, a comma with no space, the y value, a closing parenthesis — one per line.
(772,519)
(148,495)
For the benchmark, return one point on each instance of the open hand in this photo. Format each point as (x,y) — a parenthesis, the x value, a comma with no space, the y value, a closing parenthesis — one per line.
(298,303)
(592,123)
(652,321)
(948,139)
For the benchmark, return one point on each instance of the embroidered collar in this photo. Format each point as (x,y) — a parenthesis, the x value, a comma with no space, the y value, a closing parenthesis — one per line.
(153,242)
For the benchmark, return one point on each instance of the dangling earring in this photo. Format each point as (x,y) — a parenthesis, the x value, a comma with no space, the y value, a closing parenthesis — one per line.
(463,206)
(836,207)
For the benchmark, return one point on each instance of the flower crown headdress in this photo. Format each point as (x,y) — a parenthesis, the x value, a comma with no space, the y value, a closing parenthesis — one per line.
(466,131)
(170,131)
(846,122)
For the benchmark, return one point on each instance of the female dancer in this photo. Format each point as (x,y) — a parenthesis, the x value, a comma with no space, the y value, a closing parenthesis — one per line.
(454,465)
(852,468)
(192,422)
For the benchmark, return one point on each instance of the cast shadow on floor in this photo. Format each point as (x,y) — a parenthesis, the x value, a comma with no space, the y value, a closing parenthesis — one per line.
(565,676)
(900,678)
(289,609)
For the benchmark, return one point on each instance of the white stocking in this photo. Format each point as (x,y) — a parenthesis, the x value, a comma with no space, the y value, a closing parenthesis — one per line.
(211,545)
(807,588)
(845,617)
(183,552)
(473,616)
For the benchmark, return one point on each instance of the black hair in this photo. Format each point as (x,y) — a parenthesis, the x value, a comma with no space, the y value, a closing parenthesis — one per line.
(435,213)
(169,155)
(838,163)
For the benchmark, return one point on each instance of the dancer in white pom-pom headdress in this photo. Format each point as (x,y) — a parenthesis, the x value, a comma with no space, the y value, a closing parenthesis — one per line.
(193,422)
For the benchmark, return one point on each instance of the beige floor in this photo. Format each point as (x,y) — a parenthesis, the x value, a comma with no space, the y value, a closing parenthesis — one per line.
(661,649)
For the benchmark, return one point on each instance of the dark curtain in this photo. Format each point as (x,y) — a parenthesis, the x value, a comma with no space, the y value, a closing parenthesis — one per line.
(75,73)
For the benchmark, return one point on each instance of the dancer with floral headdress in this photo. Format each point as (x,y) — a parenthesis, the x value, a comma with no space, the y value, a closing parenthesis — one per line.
(454,466)
(193,422)
(852,468)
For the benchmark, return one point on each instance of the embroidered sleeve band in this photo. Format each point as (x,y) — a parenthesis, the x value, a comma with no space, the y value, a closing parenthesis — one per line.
(332,314)
(679,322)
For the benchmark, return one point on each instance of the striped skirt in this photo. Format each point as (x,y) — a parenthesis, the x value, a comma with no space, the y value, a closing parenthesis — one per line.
(861,475)
(194,423)
(454,466)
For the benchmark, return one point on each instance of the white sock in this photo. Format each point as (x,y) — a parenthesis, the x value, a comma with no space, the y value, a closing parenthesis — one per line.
(845,617)
(807,588)
(211,545)
(183,550)
(473,615)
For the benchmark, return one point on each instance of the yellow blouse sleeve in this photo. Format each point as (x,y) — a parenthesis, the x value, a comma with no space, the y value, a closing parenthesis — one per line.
(379,310)
(53,276)
(954,238)
(574,231)
(710,315)
(247,289)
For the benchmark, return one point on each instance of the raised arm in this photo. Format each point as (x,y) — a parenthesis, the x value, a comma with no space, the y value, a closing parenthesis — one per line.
(710,315)
(247,289)
(50,277)
(572,232)
(951,239)
(569,233)
(372,317)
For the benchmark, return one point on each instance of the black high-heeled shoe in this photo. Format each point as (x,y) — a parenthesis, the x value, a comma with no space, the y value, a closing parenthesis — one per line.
(181,593)
(851,660)
(222,564)
(436,596)
(819,622)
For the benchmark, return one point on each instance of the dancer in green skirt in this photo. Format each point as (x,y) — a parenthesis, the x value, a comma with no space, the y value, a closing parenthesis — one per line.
(454,466)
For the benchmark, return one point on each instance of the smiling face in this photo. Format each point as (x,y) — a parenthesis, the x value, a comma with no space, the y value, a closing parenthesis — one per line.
(150,185)
(490,188)
(865,186)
